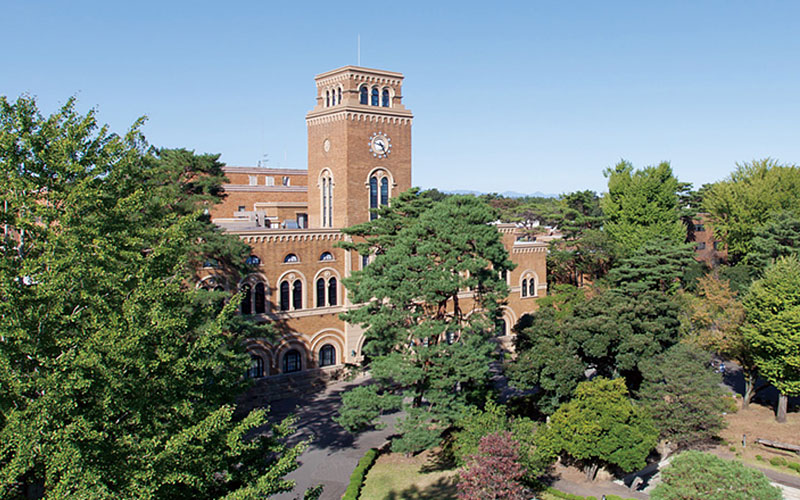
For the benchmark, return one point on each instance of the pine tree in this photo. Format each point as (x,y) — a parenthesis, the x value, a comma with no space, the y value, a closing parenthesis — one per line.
(428,348)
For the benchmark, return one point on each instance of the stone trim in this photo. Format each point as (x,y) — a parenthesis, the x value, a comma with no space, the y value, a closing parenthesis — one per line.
(279,235)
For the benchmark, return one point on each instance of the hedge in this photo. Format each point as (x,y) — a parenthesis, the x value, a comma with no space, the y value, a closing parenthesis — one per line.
(570,496)
(359,474)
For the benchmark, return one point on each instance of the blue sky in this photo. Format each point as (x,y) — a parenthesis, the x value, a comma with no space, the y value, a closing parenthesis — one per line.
(523,96)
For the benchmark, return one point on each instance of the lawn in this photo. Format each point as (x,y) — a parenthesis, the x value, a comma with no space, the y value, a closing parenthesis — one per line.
(395,476)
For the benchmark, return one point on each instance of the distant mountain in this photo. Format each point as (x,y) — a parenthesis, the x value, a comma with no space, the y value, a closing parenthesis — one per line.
(507,194)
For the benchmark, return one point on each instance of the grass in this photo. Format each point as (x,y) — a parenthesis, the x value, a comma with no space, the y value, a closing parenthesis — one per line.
(395,477)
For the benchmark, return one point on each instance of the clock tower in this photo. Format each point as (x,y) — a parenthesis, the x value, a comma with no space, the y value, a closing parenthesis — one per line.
(359,145)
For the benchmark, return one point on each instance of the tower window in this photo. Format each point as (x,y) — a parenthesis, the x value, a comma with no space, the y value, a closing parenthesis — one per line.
(332,292)
(339,96)
(373,197)
(528,285)
(285,180)
(384,191)
(385,98)
(269,180)
(362,96)
(375,96)
(327,98)
(327,199)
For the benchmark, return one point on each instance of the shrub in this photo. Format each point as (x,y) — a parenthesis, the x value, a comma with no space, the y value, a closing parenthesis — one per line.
(493,472)
(359,474)
(731,406)
(778,461)
(694,474)
(794,466)
(732,448)
(759,458)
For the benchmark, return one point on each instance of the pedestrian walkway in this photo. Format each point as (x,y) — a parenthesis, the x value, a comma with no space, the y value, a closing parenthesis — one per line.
(333,453)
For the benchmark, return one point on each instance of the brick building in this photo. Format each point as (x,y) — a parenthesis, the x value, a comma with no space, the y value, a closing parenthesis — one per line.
(359,157)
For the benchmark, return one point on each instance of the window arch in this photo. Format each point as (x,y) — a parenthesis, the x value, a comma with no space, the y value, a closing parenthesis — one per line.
(326,256)
(363,98)
(327,355)
(326,289)
(247,299)
(210,283)
(297,294)
(374,96)
(256,367)
(528,284)
(385,98)
(290,258)
(292,361)
(284,300)
(379,185)
(253,260)
(326,198)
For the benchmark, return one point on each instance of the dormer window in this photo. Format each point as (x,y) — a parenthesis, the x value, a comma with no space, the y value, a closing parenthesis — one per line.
(363,97)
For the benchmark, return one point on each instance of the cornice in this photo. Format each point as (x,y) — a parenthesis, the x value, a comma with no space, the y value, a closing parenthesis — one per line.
(359,113)
(264,189)
(288,235)
(263,170)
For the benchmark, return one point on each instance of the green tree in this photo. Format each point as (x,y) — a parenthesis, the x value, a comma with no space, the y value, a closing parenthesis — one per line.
(779,237)
(713,321)
(694,475)
(744,202)
(683,395)
(601,426)
(657,265)
(495,418)
(428,349)
(773,328)
(641,205)
(118,377)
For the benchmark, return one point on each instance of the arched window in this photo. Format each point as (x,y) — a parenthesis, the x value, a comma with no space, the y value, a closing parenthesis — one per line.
(320,292)
(297,295)
(253,261)
(256,367)
(332,292)
(363,97)
(373,197)
(247,300)
(375,96)
(284,296)
(260,299)
(327,98)
(291,361)
(385,98)
(327,355)
(528,284)
(500,328)
(339,96)
(326,256)
(384,191)
(326,185)
(290,258)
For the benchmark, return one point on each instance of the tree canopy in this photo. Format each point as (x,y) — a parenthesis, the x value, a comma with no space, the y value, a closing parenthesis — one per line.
(773,327)
(601,426)
(427,346)
(683,395)
(641,205)
(744,202)
(694,475)
(118,377)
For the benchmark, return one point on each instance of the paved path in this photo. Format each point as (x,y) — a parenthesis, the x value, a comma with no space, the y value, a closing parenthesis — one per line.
(334,452)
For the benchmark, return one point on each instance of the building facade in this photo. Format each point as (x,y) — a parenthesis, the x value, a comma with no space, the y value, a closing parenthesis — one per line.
(359,157)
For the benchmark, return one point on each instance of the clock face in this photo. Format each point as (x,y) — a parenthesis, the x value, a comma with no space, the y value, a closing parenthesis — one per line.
(380,145)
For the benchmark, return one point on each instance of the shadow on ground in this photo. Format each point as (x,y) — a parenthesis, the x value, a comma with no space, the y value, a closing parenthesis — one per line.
(443,489)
